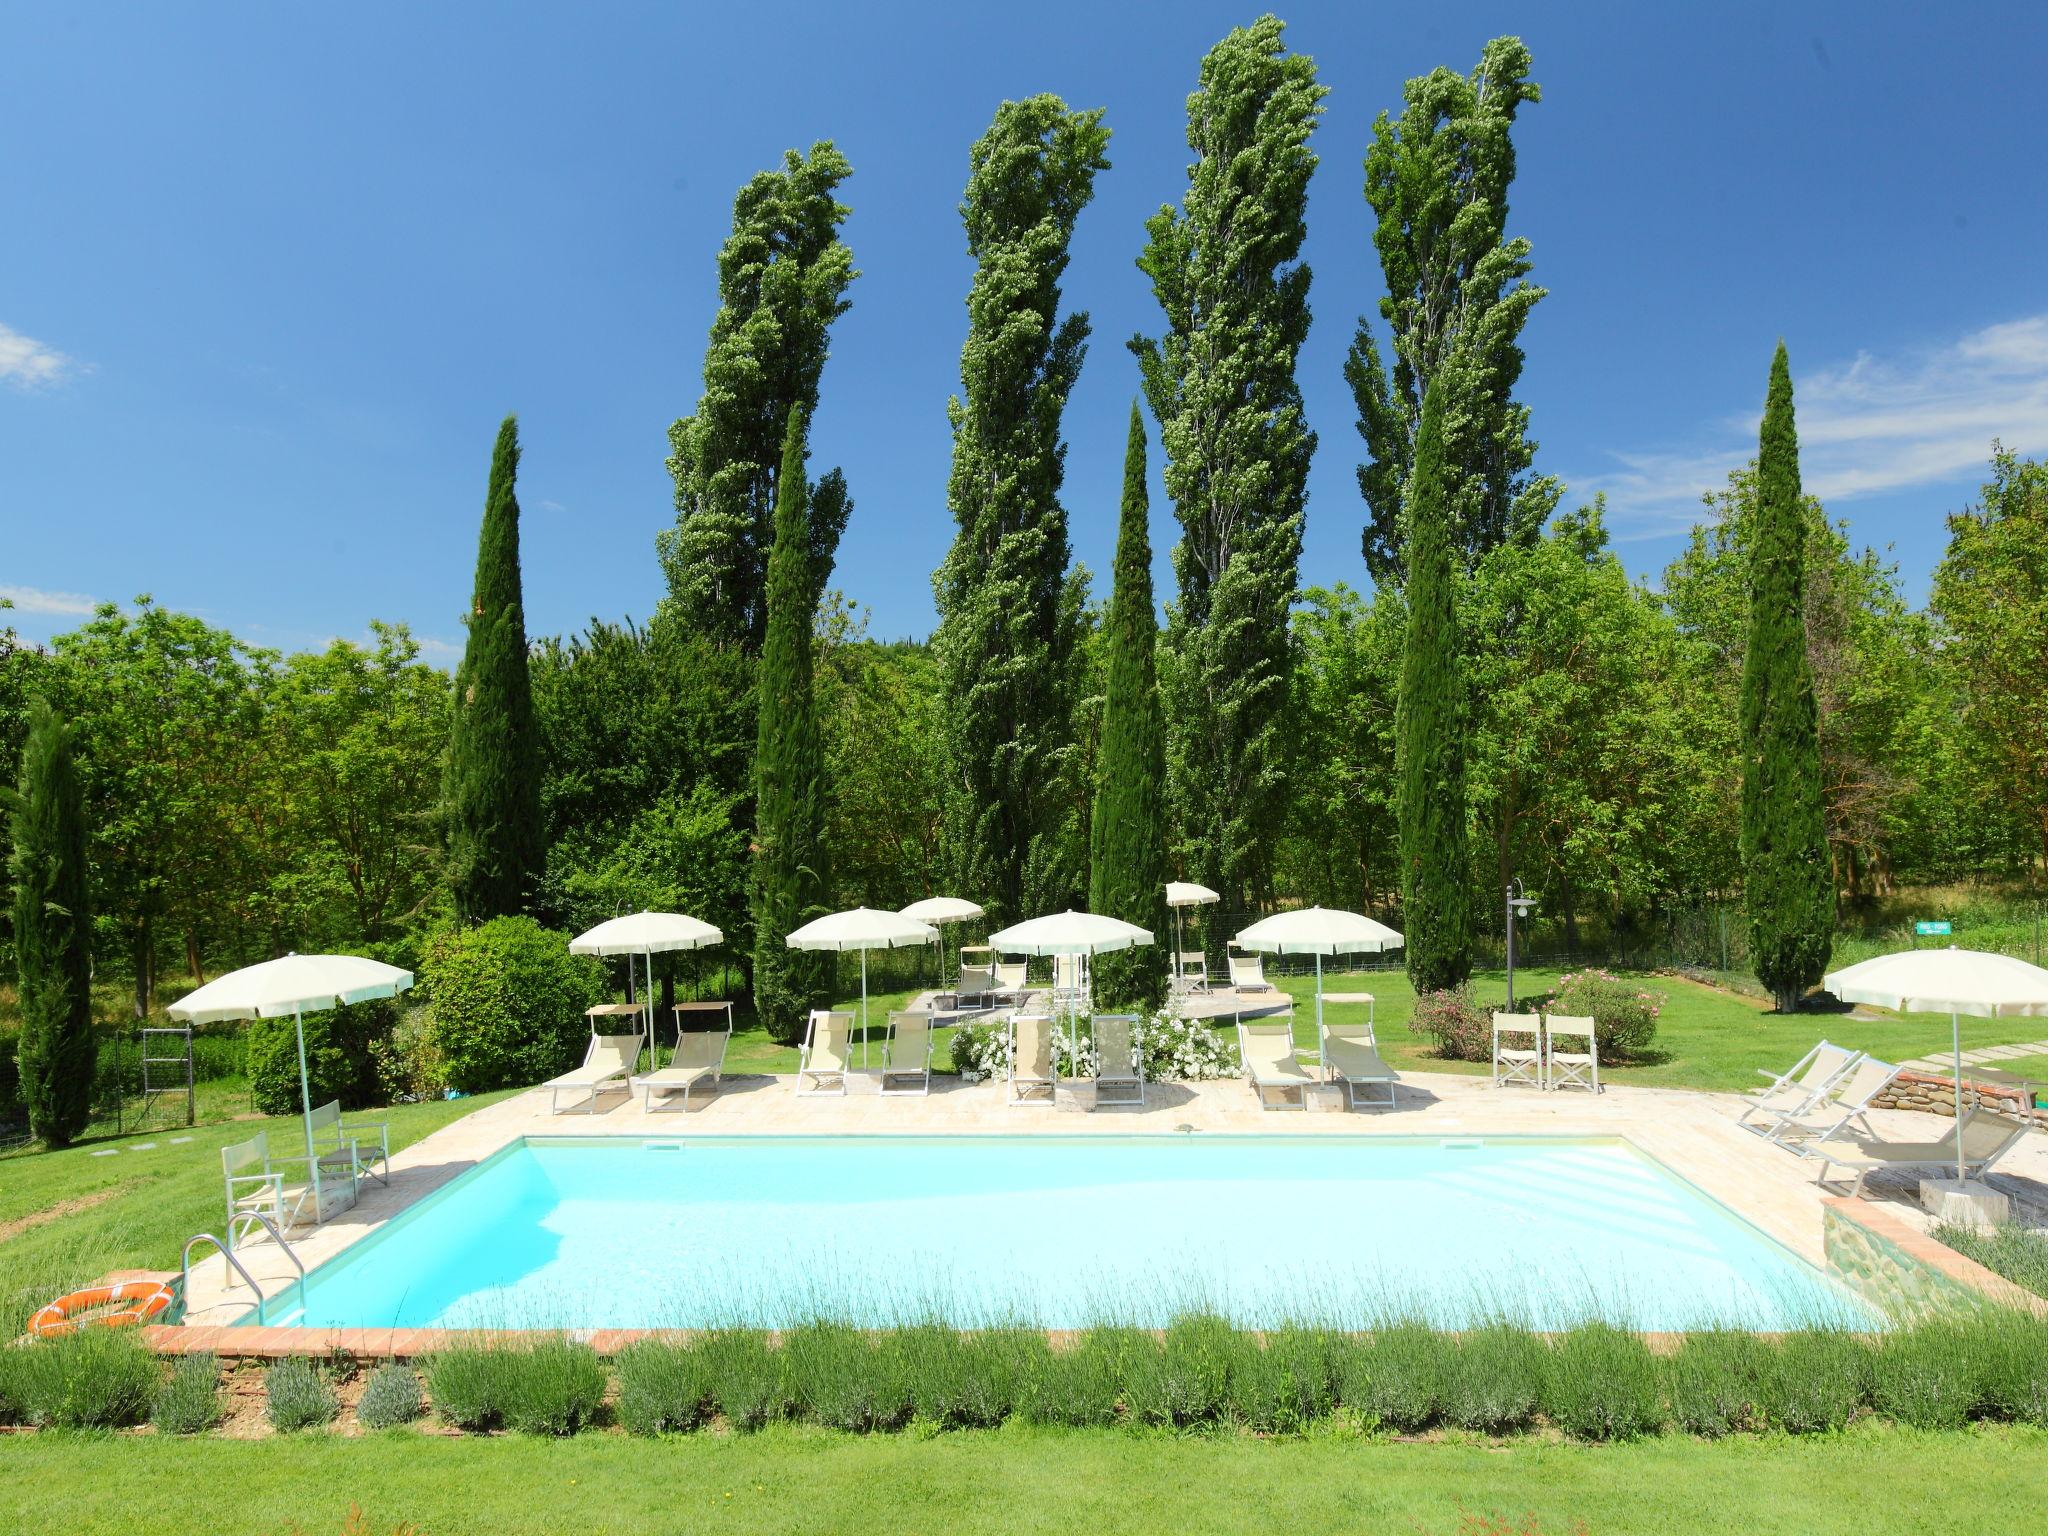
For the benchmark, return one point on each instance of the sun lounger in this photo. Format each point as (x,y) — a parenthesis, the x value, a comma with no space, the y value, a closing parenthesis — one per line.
(698,1061)
(1012,979)
(827,1055)
(1270,1064)
(1031,1065)
(1512,1061)
(1119,1063)
(1069,984)
(1248,973)
(907,1054)
(976,985)
(1351,1053)
(1987,1137)
(608,1061)
(1797,1089)
(1846,1102)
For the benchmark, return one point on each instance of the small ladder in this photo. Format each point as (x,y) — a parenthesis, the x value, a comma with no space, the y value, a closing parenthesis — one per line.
(241,1222)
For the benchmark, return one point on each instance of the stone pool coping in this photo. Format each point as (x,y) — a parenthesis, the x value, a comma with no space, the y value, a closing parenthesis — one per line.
(1693,1135)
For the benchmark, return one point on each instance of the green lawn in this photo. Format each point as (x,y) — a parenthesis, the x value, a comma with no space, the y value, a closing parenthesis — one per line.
(1870,1481)
(136,1208)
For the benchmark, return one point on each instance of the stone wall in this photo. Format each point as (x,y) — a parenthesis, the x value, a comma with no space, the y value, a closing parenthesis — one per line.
(1935,1094)
(1904,1272)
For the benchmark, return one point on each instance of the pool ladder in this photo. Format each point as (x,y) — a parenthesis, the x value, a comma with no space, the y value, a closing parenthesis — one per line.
(239,1225)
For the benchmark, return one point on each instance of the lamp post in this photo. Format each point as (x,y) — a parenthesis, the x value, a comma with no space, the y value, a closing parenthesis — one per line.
(1518,904)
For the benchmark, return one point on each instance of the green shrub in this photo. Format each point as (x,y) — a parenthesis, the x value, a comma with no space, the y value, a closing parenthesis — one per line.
(1624,1015)
(188,1402)
(2018,1253)
(409,1065)
(2015,1384)
(552,1387)
(1713,1382)
(970,1380)
(1493,1379)
(466,1385)
(1185,1379)
(97,1378)
(296,1396)
(508,1002)
(340,1063)
(663,1388)
(1603,1384)
(1395,1379)
(1079,1386)
(391,1397)
(748,1382)
(843,1381)
(1814,1381)
(1932,1376)
(1462,1030)
(1287,1385)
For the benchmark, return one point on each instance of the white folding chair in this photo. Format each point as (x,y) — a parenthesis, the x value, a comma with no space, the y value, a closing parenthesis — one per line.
(1513,1063)
(1577,1067)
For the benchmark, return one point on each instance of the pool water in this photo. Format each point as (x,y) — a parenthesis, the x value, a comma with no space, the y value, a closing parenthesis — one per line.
(1063,1232)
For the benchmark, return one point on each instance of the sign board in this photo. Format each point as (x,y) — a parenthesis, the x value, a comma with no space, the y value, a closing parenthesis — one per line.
(1941,929)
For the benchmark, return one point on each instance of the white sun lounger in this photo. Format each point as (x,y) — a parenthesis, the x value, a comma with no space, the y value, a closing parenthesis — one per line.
(1248,973)
(1846,1102)
(827,1055)
(1012,979)
(1031,1064)
(907,1054)
(1987,1137)
(1119,1062)
(1270,1063)
(1351,1054)
(1799,1088)
(698,1060)
(607,1062)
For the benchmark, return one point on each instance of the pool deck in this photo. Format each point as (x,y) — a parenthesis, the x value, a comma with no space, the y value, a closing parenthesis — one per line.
(1692,1134)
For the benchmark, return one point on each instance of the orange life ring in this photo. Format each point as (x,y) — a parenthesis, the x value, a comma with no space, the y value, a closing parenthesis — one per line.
(143,1299)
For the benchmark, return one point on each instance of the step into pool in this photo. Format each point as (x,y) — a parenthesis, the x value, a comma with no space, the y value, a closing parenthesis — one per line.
(1061,1232)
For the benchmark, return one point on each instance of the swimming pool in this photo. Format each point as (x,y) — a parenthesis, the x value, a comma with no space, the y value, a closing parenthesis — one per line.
(1062,1232)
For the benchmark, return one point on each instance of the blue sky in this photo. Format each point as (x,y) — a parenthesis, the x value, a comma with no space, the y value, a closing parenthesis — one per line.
(269,276)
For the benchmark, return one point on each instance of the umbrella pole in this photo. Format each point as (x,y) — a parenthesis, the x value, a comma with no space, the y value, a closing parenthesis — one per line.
(306,1104)
(863,1010)
(1319,1006)
(1955,1028)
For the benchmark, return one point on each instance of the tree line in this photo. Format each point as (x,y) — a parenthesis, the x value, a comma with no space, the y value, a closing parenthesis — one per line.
(1506,701)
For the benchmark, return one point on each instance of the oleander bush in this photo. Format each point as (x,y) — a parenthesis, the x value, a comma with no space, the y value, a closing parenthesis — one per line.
(1624,1015)
(1461,1028)
(97,1378)
(188,1402)
(296,1396)
(391,1397)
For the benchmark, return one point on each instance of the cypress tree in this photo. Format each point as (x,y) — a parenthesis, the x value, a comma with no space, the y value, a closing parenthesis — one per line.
(789,791)
(52,932)
(1010,622)
(1225,269)
(1127,834)
(493,783)
(1429,730)
(1788,884)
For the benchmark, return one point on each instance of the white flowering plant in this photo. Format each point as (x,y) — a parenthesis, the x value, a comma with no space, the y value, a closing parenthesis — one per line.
(1174,1049)
(1187,1050)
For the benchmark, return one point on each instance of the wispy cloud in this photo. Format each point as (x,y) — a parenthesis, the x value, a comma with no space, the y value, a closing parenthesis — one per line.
(1867,426)
(434,649)
(30,364)
(36,600)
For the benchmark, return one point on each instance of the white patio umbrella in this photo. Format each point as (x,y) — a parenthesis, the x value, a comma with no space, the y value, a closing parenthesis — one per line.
(646,934)
(862,928)
(939,911)
(1184,893)
(292,985)
(1318,931)
(1070,933)
(1951,981)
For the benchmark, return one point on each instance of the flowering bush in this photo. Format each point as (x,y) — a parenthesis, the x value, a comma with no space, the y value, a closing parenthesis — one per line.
(1182,1050)
(1624,1015)
(1462,1030)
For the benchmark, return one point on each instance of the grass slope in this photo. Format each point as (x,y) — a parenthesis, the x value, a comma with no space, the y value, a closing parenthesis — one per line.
(1872,1480)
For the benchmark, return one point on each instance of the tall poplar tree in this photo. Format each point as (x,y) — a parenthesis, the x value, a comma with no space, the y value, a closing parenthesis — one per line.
(1436,900)
(1009,607)
(790,881)
(493,785)
(52,932)
(1220,381)
(782,279)
(1438,180)
(1127,835)
(1787,879)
